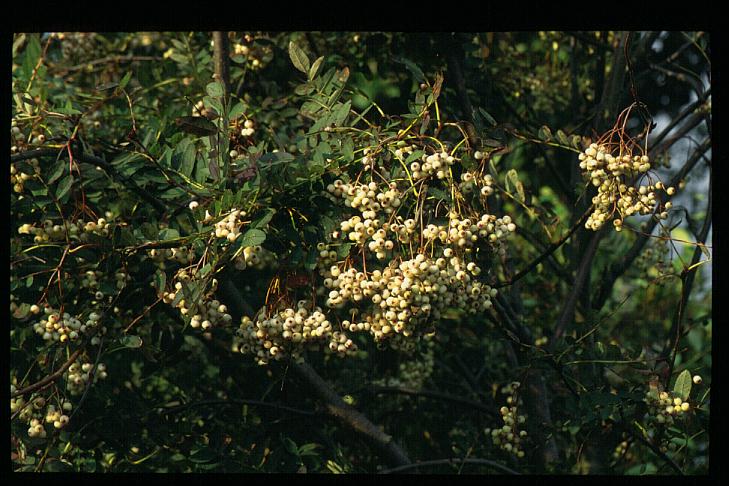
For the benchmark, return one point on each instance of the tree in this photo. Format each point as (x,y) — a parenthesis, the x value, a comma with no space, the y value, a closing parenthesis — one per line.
(215,236)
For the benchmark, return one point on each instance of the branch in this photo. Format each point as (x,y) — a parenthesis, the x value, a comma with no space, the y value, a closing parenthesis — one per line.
(550,249)
(350,417)
(616,270)
(582,277)
(221,54)
(453,55)
(687,281)
(257,403)
(432,394)
(98,162)
(435,462)
(335,406)
(657,139)
(108,59)
(52,377)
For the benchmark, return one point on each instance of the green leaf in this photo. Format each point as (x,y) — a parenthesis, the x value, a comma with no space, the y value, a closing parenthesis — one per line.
(487,116)
(160,280)
(58,171)
(314,70)
(298,58)
(682,387)
(340,113)
(263,220)
(32,53)
(203,455)
(343,250)
(304,89)
(237,110)
(131,341)
(185,156)
(512,178)
(545,133)
(274,158)
(413,68)
(290,446)
(414,156)
(64,186)
(125,80)
(168,234)
(576,142)
(348,150)
(253,237)
(214,89)
(196,125)
(562,137)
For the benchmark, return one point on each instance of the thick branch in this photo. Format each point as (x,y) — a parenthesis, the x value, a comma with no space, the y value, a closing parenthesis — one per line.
(234,401)
(350,417)
(52,377)
(583,274)
(221,54)
(335,406)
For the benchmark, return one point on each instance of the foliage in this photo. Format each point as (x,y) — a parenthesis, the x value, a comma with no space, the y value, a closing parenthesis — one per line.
(415,218)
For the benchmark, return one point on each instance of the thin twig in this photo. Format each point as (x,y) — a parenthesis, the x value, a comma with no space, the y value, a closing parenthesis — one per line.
(434,395)
(98,162)
(550,249)
(456,460)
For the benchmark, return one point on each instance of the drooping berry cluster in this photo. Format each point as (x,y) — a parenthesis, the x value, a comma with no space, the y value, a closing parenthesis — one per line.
(255,257)
(65,327)
(437,164)
(206,312)
(18,178)
(615,164)
(79,375)
(508,437)
(665,407)
(288,332)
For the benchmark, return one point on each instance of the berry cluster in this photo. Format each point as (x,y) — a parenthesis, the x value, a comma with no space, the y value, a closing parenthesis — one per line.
(79,375)
(470,181)
(64,328)
(621,451)
(508,437)
(288,332)
(181,255)
(205,313)
(413,266)
(437,164)
(78,230)
(20,141)
(403,150)
(18,178)
(229,227)
(614,174)
(406,296)
(255,257)
(248,128)
(665,407)
(256,55)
